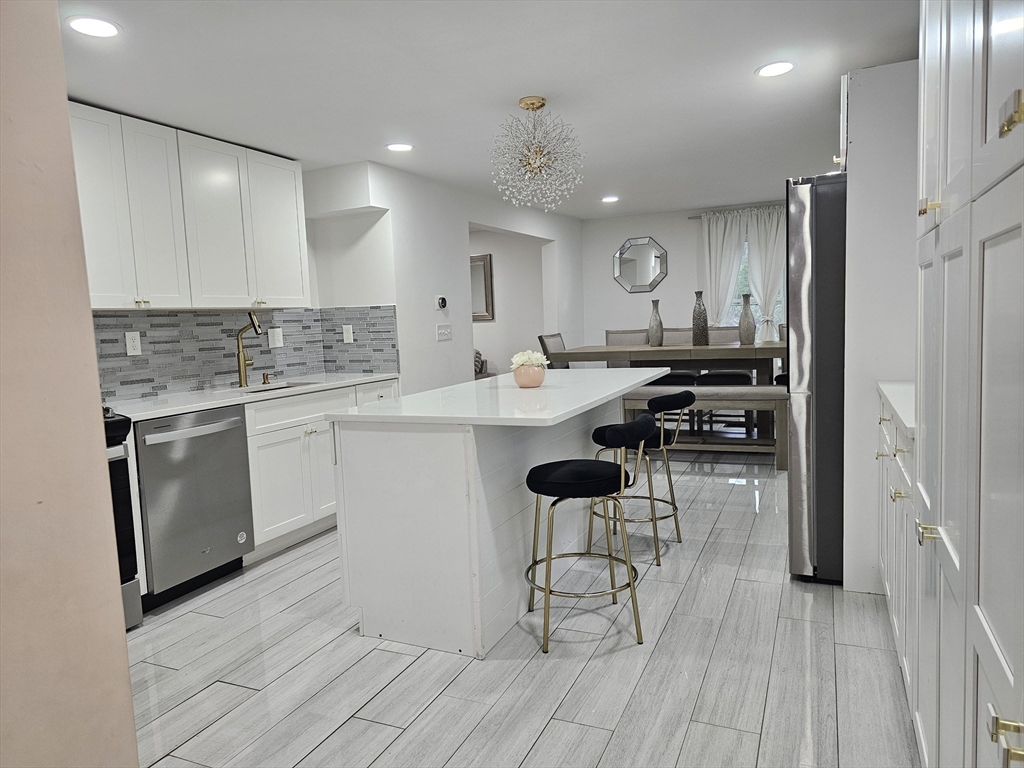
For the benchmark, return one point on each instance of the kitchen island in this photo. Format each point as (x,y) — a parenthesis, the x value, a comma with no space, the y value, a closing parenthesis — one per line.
(436,522)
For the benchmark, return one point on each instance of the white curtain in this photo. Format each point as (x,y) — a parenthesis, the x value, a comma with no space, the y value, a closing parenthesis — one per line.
(724,233)
(766,262)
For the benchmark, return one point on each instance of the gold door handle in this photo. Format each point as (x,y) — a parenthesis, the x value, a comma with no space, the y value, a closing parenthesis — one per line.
(894,494)
(881,455)
(924,205)
(1015,106)
(926,533)
(997,726)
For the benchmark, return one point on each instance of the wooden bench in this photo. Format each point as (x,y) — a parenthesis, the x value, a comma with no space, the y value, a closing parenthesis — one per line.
(740,398)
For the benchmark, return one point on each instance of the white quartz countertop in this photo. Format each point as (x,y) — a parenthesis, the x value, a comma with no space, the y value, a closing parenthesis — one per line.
(900,397)
(498,401)
(140,409)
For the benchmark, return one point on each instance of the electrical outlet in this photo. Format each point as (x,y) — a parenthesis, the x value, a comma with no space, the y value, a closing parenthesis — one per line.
(133,343)
(275,337)
(444,332)
(346,331)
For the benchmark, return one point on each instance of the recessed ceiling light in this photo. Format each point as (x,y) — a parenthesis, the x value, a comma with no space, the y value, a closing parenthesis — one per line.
(610,199)
(93,27)
(399,147)
(1007,25)
(775,69)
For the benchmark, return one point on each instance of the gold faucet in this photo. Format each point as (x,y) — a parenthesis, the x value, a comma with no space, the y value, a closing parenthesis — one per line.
(244,360)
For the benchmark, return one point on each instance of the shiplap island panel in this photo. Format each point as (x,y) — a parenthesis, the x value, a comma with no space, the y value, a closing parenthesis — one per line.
(436,522)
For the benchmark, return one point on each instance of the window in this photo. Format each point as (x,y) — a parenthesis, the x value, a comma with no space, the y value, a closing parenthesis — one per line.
(743,286)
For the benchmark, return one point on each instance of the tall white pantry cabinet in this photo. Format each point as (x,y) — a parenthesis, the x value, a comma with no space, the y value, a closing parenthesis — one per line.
(957,596)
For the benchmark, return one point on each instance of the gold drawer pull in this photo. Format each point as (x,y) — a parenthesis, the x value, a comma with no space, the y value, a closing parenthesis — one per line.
(926,533)
(881,455)
(897,451)
(1010,754)
(924,205)
(882,419)
(1015,106)
(996,725)
(894,494)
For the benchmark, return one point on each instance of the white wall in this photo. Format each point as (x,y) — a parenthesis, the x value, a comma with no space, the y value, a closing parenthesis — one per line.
(518,296)
(353,263)
(607,305)
(881,289)
(430,239)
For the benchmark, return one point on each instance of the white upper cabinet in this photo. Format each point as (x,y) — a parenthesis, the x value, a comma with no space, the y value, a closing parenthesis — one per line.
(278,230)
(103,201)
(157,219)
(218,222)
(998,81)
(929,114)
(957,86)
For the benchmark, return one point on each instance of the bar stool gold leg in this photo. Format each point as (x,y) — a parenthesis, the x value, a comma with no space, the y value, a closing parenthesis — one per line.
(629,573)
(672,494)
(536,535)
(654,514)
(608,536)
(590,527)
(547,575)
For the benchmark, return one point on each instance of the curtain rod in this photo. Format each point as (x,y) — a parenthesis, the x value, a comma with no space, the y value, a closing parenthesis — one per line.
(740,208)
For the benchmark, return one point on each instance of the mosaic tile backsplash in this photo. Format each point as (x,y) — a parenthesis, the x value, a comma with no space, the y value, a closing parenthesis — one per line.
(190,350)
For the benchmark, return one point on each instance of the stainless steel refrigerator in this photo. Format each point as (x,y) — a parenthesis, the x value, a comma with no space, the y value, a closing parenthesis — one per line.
(816,283)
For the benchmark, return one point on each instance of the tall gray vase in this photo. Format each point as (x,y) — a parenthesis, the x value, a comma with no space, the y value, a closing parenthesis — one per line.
(656,329)
(700,322)
(748,327)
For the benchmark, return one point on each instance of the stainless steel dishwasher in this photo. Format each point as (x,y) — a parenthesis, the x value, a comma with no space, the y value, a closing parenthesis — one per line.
(194,487)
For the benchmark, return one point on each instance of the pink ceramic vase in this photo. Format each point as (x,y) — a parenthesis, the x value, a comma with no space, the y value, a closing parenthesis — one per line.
(529,376)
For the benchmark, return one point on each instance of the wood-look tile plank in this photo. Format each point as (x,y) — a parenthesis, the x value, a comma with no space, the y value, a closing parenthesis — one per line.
(327,605)
(800,710)
(174,762)
(567,745)
(596,698)
(435,735)
(183,722)
(405,698)
(651,729)
(153,642)
(862,619)
(737,678)
(678,559)
(145,674)
(409,650)
(712,746)
(707,590)
(243,725)
(508,731)
(806,600)
(764,562)
(312,722)
(874,723)
(356,744)
(274,661)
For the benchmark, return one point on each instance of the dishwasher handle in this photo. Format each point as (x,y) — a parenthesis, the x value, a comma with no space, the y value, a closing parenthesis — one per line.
(184,434)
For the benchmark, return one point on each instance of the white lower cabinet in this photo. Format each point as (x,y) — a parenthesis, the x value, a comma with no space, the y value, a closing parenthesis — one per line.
(281,478)
(382,390)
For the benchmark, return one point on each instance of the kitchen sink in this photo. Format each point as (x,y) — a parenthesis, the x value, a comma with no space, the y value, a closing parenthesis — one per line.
(278,385)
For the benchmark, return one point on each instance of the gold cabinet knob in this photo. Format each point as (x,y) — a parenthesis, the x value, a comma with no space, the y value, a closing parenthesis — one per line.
(926,533)
(837,160)
(1015,108)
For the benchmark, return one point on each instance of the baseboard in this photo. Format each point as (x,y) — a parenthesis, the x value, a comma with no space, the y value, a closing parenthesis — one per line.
(275,545)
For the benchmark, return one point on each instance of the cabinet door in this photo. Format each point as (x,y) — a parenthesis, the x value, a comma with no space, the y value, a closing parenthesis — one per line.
(323,464)
(995,537)
(279,470)
(929,110)
(998,76)
(103,202)
(371,393)
(278,231)
(957,88)
(884,547)
(218,225)
(157,217)
(911,620)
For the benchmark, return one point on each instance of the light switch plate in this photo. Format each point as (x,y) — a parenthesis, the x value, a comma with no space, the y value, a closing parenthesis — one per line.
(275,337)
(444,332)
(346,331)
(133,343)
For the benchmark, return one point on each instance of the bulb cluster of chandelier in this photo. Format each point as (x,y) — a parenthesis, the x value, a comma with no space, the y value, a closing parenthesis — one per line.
(537,158)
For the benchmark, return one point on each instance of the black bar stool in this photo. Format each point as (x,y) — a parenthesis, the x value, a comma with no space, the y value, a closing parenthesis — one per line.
(658,407)
(588,479)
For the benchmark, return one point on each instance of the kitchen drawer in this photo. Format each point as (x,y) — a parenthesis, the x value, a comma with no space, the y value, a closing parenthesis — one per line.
(381,390)
(295,410)
(886,421)
(903,452)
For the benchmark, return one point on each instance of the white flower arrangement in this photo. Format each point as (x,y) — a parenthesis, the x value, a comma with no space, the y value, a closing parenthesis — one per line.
(529,357)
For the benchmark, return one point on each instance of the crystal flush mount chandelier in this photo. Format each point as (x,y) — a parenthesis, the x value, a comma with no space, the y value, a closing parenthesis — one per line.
(536,157)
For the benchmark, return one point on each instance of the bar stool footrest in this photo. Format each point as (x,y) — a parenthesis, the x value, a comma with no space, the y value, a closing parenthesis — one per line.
(602,593)
(643,519)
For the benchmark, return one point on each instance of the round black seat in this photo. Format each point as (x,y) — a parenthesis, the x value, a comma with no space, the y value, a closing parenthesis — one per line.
(724,379)
(782,379)
(575,479)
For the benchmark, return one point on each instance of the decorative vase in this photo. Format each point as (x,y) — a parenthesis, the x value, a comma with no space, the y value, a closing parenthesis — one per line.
(529,376)
(748,327)
(700,322)
(656,329)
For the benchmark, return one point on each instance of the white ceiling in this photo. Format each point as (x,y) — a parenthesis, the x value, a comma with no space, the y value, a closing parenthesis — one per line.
(662,94)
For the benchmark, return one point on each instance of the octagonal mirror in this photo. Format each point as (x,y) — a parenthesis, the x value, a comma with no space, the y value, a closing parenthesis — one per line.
(640,264)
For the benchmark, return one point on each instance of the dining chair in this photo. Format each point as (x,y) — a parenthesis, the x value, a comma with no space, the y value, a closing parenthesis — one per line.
(552,342)
(625,338)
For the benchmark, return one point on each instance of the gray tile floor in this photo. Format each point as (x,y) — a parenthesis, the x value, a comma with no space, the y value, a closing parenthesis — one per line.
(740,665)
